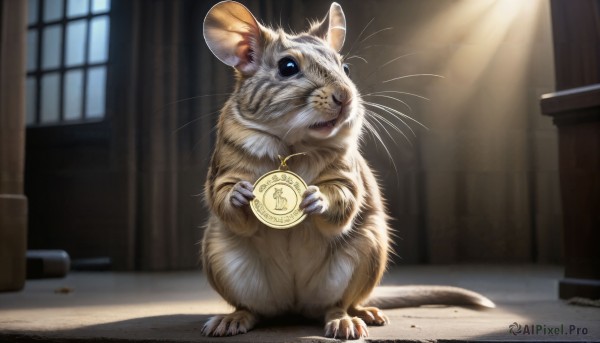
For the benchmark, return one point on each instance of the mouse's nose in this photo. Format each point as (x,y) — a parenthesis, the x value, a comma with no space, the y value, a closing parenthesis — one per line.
(340,95)
(335,100)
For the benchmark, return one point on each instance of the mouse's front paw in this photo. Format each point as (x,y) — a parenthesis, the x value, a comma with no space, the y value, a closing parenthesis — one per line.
(241,194)
(313,201)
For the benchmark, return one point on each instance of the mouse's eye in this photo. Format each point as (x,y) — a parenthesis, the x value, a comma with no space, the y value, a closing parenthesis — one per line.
(288,67)
(346,68)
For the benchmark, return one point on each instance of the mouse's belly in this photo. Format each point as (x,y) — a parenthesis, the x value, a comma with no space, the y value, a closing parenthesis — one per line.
(279,272)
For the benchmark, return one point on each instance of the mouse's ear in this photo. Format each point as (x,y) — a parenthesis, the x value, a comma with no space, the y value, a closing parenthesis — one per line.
(332,28)
(234,36)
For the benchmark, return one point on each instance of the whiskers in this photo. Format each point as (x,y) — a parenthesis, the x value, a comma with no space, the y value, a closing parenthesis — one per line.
(389,112)
(372,129)
(190,116)
(412,75)
(197,118)
(357,57)
(383,119)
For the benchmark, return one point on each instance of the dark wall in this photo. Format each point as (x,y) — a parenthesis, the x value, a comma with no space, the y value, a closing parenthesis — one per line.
(480,184)
(13,204)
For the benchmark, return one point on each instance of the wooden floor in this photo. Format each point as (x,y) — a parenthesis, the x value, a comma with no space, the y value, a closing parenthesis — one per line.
(171,307)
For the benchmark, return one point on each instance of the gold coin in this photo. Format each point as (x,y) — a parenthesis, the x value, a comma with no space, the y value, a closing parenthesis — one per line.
(278,196)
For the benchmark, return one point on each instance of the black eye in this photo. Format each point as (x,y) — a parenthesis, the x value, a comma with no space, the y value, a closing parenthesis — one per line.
(288,67)
(346,68)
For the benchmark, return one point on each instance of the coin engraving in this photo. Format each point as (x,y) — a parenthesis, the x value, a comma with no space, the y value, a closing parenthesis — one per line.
(278,195)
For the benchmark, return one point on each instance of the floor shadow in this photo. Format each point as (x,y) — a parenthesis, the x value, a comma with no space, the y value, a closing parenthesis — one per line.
(541,321)
(187,327)
(175,328)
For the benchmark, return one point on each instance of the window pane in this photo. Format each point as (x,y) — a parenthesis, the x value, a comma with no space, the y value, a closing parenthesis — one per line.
(53,10)
(100,6)
(98,40)
(50,93)
(77,8)
(52,45)
(95,97)
(73,92)
(30,99)
(76,34)
(32,41)
(32,11)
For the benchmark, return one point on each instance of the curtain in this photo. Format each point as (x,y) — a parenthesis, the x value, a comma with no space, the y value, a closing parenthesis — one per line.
(480,184)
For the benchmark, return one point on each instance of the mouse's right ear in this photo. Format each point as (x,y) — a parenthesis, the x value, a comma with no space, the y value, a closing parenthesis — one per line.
(234,36)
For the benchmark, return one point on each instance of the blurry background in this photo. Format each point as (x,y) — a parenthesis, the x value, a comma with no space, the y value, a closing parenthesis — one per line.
(122,96)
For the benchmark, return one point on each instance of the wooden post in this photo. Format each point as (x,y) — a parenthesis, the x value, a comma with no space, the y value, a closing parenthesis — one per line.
(575,109)
(13,204)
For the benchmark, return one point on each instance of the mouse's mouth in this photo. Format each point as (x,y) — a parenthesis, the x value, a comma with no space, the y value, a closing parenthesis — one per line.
(325,124)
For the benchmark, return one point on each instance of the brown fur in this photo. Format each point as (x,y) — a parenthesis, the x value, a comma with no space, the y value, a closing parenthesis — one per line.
(327,265)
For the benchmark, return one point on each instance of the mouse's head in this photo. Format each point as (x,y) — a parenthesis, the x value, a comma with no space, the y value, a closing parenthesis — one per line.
(294,86)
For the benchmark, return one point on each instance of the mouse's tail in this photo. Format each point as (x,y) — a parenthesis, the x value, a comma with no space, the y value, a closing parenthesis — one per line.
(387,297)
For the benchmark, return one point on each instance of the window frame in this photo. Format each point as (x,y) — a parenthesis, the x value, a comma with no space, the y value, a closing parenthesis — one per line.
(62,69)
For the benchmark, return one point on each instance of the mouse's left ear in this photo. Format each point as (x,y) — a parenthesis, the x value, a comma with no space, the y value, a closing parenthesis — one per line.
(234,36)
(332,28)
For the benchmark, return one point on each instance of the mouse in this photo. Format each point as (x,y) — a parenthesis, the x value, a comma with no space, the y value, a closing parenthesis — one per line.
(293,94)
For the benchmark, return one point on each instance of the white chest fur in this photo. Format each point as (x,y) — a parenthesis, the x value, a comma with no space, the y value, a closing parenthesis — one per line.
(278,271)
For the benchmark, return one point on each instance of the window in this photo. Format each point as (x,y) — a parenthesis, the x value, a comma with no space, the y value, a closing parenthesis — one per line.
(67,58)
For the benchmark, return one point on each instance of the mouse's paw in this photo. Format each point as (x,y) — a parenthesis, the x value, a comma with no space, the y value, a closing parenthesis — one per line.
(313,201)
(346,328)
(370,315)
(241,194)
(235,323)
